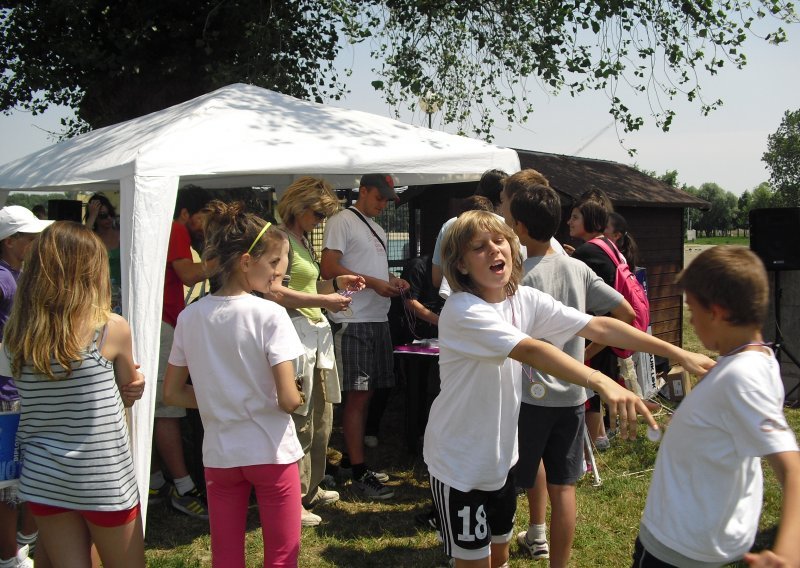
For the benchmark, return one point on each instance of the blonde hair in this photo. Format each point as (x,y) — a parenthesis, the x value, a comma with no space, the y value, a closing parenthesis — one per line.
(63,292)
(231,232)
(456,243)
(305,193)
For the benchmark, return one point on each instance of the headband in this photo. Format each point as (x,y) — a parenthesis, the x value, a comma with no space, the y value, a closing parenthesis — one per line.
(258,237)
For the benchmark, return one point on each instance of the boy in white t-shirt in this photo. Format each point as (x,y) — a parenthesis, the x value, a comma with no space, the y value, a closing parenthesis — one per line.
(704,501)
(485,329)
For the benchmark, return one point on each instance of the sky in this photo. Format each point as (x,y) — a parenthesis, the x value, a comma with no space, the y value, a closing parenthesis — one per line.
(724,147)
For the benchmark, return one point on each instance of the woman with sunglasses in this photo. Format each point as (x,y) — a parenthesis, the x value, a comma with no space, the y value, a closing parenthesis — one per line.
(304,205)
(101,217)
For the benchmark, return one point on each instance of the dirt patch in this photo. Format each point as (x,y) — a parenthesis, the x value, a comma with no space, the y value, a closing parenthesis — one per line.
(690,251)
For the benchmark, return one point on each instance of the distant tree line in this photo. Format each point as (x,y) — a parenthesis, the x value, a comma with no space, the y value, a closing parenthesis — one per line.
(729,212)
(30,200)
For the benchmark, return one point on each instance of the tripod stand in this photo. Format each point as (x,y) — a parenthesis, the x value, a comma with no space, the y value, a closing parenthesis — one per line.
(779,347)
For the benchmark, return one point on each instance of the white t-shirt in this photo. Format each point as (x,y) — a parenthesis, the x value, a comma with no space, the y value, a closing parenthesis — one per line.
(705,497)
(230,344)
(363,254)
(471,437)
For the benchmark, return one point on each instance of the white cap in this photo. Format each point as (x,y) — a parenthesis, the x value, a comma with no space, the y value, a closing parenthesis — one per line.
(17,219)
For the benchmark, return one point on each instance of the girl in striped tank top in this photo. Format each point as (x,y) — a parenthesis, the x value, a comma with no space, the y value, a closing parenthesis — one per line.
(69,356)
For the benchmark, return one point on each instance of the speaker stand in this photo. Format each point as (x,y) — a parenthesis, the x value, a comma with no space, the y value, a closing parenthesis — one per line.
(780,348)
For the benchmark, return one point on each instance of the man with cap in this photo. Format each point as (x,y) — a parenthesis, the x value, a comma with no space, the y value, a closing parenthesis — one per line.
(355,244)
(18,229)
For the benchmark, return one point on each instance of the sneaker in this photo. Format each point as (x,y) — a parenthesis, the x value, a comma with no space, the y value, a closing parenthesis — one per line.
(429,519)
(324,497)
(23,558)
(309,519)
(345,472)
(370,487)
(328,482)
(537,549)
(156,496)
(192,503)
(602,444)
(371,441)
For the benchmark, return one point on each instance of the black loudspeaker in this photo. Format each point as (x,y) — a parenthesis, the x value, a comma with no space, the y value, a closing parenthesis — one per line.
(773,237)
(65,210)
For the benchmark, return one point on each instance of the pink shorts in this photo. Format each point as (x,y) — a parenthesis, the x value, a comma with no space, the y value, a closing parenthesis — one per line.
(100,518)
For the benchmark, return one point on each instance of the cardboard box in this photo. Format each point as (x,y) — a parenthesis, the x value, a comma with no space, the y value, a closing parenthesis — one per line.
(677,384)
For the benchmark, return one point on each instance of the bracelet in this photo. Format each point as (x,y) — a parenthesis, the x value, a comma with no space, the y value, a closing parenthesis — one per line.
(335,287)
(588,386)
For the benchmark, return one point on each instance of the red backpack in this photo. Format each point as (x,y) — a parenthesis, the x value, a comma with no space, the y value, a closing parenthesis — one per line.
(627,285)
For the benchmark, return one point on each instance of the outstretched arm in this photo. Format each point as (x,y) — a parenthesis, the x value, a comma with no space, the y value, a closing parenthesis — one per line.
(610,331)
(621,402)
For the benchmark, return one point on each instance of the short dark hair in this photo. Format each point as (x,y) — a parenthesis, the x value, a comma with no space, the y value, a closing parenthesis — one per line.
(539,209)
(731,277)
(474,203)
(594,205)
(491,184)
(192,198)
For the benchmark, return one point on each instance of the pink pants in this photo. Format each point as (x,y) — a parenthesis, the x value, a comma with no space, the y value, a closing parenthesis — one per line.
(277,488)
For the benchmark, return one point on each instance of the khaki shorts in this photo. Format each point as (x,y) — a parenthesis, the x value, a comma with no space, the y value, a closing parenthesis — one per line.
(165,346)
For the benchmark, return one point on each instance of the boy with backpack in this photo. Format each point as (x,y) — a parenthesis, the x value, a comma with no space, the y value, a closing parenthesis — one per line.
(551,421)
(705,496)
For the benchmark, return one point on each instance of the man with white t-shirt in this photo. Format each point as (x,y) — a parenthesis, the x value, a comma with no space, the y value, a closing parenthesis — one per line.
(354,244)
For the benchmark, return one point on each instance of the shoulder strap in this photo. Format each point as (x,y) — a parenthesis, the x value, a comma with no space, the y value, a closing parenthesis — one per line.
(609,248)
(360,216)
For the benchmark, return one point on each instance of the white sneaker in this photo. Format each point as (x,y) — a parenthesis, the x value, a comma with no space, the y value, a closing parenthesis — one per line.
(309,519)
(537,549)
(23,560)
(324,497)
(371,441)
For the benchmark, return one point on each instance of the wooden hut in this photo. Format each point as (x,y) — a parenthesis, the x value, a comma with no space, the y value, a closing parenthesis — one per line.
(654,210)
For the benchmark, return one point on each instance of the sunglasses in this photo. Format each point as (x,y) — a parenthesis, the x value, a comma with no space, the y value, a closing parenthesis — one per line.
(103,215)
(319,215)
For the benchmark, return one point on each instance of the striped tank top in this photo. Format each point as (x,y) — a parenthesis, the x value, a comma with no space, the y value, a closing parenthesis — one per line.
(74,438)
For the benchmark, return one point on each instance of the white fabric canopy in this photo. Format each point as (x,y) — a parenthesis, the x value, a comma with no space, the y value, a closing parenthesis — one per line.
(237,136)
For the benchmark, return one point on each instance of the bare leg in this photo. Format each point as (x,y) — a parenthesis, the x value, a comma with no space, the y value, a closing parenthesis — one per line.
(537,498)
(167,433)
(563,519)
(353,421)
(66,538)
(122,546)
(8,531)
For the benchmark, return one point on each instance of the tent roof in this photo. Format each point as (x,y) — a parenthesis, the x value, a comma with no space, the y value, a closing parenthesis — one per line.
(246,135)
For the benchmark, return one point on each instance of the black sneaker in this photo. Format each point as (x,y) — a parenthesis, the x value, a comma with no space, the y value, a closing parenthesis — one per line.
(429,519)
(192,503)
(156,496)
(347,472)
(370,487)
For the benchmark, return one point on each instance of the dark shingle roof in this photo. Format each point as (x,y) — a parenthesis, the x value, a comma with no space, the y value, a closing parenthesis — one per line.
(625,186)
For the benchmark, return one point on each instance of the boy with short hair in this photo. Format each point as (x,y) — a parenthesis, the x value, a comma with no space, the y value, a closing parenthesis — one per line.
(705,497)
(551,421)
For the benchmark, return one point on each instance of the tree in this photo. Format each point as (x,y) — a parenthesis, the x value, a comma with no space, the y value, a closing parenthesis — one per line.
(114,60)
(722,214)
(783,159)
(29,200)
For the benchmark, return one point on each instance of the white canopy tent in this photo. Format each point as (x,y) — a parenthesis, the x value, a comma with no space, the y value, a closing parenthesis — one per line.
(237,136)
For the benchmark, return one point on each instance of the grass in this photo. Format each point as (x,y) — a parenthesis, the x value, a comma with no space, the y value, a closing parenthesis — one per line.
(384,535)
(743,241)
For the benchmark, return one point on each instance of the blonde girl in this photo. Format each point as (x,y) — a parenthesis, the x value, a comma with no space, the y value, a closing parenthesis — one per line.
(69,356)
(304,205)
(485,331)
(240,350)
